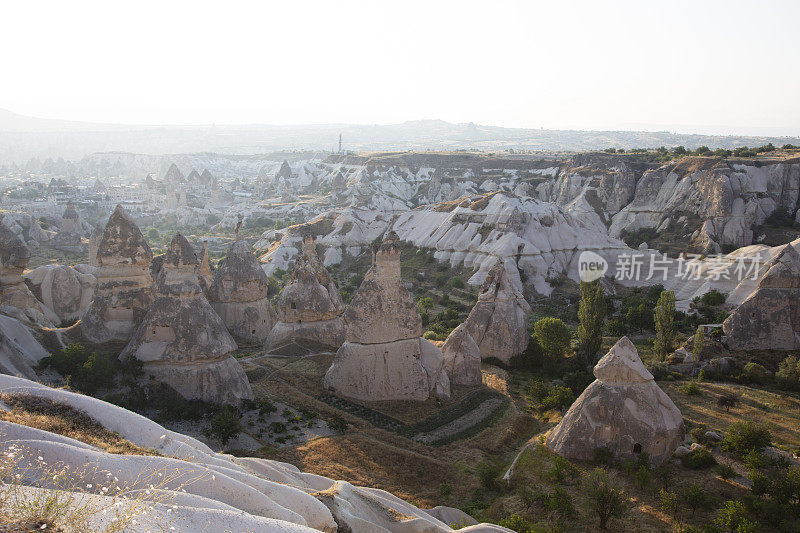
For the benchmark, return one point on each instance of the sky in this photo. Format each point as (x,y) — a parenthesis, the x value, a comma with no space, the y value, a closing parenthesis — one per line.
(723,67)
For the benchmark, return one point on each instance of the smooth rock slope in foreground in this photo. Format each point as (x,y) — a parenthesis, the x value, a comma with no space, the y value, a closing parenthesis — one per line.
(189,488)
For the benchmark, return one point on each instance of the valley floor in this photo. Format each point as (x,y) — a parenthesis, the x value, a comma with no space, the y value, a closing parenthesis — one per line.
(374,450)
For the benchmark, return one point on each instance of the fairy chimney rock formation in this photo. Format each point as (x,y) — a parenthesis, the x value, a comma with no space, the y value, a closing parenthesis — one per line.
(499,321)
(462,357)
(124,285)
(94,244)
(182,341)
(623,411)
(68,238)
(14,257)
(204,271)
(309,309)
(384,357)
(173,175)
(769,319)
(239,295)
(382,310)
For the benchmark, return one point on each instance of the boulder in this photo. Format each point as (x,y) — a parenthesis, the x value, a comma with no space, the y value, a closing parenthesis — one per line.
(681,450)
(309,309)
(26,227)
(182,341)
(384,357)
(462,357)
(124,286)
(14,257)
(239,295)
(624,411)
(499,321)
(769,319)
(67,291)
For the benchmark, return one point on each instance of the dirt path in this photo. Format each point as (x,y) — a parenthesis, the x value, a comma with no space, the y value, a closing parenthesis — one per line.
(461,423)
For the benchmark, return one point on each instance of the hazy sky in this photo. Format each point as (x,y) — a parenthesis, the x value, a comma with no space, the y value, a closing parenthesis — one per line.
(695,66)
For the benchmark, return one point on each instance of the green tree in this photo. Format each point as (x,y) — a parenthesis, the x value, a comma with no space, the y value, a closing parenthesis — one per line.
(553,336)
(664,320)
(733,517)
(695,498)
(424,304)
(603,498)
(225,424)
(788,374)
(153,234)
(699,342)
(591,314)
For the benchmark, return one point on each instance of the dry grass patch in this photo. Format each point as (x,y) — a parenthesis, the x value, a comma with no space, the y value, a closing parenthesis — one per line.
(47,415)
(780,409)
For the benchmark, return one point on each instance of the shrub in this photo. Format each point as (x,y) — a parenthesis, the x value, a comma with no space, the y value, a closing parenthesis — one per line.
(616,327)
(668,502)
(558,398)
(530,359)
(690,388)
(277,427)
(755,373)
(225,424)
(516,523)
(432,336)
(559,502)
(788,374)
(337,423)
(489,475)
(698,459)
(639,317)
(424,304)
(578,381)
(603,498)
(643,477)
(553,336)
(698,343)
(445,490)
(745,436)
(87,371)
(712,297)
(695,497)
(562,470)
(725,471)
(732,517)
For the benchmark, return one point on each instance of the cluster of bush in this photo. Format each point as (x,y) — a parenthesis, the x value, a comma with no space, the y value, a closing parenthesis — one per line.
(442,324)
(603,500)
(543,396)
(664,154)
(88,371)
(348,290)
(786,377)
(781,216)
